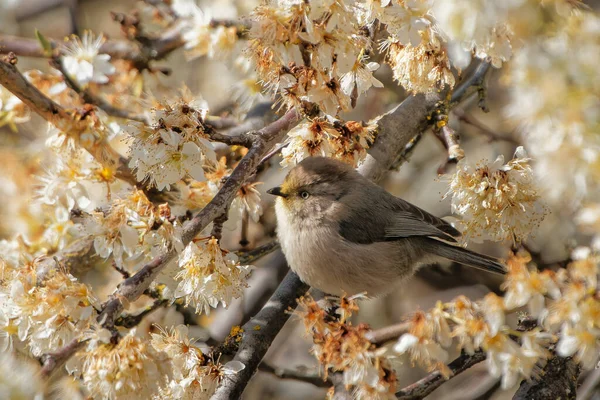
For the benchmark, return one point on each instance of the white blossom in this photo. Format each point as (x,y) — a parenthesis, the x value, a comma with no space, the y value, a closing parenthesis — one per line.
(208,278)
(83,61)
(497,201)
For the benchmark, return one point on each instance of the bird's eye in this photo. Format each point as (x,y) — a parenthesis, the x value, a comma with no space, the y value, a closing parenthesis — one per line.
(304,194)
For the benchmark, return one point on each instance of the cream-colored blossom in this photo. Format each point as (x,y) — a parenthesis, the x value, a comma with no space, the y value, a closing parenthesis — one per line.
(173,147)
(207,277)
(424,351)
(134,228)
(553,98)
(194,376)
(581,342)
(346,142)
(420,69)
(528,287)
(340,346)
(84,63)
(497,201)
(248,200)
(130,369)
(12,110)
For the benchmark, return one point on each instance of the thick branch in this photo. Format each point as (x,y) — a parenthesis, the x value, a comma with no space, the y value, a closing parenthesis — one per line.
(558,380)
(258,335)
(425,386)
(131,288)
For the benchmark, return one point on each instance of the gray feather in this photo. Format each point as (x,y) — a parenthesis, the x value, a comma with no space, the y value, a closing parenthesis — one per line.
(387,218)
(460,255)
(404,224)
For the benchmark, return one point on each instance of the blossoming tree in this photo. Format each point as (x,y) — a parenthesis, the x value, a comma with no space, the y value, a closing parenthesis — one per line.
(136,214)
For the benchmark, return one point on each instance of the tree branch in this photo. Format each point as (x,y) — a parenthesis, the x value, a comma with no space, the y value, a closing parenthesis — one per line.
(300,374)
(52,361)
(156,48)
(425,386)
(558,380)
(250,256)
(130,289)
(383,335)
(15,82)
(130,321)
(258,335)
(98,101)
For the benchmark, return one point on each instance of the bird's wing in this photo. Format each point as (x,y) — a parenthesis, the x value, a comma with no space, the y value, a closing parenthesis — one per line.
(390,218)
(405,224)
(418,214)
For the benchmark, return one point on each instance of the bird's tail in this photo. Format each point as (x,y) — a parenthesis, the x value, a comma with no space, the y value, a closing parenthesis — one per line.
(464,256)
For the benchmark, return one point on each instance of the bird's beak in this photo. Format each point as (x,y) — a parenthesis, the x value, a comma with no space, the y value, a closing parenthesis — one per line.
(276,191)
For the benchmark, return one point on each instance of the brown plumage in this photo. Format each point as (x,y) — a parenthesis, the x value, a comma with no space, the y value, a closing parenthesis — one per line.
(341,232)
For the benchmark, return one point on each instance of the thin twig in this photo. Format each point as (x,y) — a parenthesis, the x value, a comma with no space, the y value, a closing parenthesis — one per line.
(53,361)
(244,231)
(472,84)
(98,101)
(383,335)
(130,321)
(15,82)
(244,139)
(250,256)
(300,374)
(221,122)
(425,386)
(489,133)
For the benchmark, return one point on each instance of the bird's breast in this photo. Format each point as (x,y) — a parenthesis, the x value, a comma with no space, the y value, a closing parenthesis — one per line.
(325,260)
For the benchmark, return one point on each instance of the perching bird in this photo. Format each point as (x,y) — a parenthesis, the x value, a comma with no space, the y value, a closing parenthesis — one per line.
(341,233)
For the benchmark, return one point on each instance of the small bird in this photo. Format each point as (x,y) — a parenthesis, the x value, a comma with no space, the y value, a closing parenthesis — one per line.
(342,233)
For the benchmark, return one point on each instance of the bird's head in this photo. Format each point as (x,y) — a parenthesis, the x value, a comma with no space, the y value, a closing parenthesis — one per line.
(313,186)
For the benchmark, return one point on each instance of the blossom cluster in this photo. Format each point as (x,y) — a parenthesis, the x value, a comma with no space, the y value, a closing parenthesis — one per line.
(173,146)
(341,347)
(562,308)
(496,201)
(46,317)
(201,37)
(563,303)
(194,375)
(129,369)
(134,230)
(207,276)
(346,142)
(554,99)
